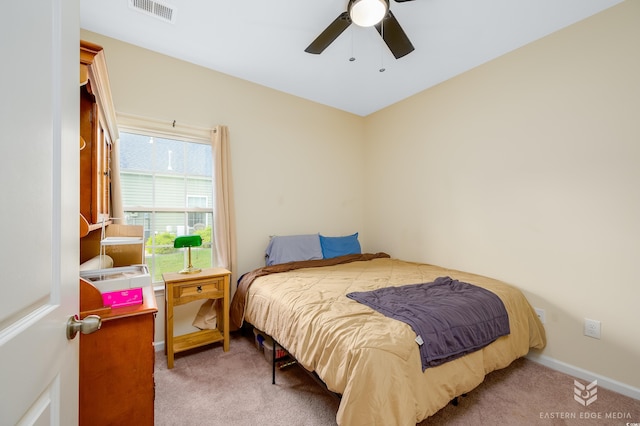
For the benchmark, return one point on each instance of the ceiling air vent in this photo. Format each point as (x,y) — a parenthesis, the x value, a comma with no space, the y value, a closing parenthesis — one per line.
(153,8)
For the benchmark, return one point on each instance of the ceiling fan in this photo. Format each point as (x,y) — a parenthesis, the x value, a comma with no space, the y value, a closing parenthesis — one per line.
(367,13)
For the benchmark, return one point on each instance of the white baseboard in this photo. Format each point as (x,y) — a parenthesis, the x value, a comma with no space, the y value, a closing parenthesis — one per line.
(574,371)
(159,346)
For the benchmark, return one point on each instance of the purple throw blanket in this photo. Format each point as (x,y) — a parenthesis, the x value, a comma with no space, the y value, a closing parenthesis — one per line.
(450,318)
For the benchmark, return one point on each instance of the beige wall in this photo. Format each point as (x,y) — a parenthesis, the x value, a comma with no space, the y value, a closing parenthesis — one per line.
(527,169)
(297,165)
(524,169)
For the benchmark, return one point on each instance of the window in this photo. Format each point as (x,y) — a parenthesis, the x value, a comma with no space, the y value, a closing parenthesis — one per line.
(167,188)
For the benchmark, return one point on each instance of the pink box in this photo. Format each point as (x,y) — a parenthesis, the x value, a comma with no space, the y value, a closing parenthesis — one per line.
(120,298)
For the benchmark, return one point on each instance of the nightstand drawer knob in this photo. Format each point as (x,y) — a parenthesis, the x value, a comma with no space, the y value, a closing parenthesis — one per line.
(199,289)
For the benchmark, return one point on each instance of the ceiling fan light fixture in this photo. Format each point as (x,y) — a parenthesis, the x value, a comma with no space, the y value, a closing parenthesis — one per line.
(367,13)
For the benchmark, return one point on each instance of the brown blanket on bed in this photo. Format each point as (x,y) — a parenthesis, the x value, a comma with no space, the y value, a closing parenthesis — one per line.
(236,310)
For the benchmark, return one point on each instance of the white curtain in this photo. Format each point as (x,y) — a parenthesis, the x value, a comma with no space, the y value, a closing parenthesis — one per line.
(224,224)
(117,210)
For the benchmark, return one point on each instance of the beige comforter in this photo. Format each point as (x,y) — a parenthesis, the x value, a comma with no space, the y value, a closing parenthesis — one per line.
(373,361)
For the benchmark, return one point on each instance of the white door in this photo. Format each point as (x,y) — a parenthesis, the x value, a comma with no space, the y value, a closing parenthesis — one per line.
(39,142)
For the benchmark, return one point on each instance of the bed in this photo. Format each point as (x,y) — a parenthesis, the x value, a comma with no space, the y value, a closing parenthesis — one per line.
(371,360)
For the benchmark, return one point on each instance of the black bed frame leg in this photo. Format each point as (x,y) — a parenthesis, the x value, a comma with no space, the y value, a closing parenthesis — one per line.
(455,401)
(273,364)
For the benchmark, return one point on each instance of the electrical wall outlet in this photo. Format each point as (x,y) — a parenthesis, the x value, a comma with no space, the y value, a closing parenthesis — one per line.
(540,313)
(592,328)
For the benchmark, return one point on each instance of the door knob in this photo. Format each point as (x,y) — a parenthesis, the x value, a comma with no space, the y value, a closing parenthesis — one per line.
(88,325)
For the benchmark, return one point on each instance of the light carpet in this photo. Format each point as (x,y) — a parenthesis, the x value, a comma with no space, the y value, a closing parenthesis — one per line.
(208,386)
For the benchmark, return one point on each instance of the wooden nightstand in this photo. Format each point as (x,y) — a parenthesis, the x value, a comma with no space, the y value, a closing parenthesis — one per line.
(211,283)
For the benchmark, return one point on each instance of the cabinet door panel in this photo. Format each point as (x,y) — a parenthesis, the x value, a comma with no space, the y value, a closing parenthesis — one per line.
(102,162)
(88,110)
(116,372)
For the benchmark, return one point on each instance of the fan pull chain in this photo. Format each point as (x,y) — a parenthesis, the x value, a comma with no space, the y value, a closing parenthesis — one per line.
(382,68)
(351,56)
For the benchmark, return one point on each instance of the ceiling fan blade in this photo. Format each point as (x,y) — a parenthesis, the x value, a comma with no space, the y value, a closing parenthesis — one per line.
(330,33)
(395,37)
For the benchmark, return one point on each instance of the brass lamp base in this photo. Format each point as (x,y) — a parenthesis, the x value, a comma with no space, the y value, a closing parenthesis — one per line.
(190,270)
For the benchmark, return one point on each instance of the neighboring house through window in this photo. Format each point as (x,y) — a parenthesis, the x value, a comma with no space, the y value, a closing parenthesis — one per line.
(167,188)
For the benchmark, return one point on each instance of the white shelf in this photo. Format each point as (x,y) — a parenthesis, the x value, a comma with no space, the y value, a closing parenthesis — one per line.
(115,241)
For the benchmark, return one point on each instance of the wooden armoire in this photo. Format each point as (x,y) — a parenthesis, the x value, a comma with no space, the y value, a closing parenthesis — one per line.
(116,362)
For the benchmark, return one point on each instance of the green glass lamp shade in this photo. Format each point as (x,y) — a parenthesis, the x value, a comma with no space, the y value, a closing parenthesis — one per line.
(188,241)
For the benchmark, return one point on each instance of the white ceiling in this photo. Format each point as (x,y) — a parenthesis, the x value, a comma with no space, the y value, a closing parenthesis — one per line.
(264,41)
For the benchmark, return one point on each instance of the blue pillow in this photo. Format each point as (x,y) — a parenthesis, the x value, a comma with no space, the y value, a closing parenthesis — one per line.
(293,248)
(340,246)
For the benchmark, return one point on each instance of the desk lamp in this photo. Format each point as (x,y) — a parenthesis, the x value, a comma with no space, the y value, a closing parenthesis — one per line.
(188,241)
